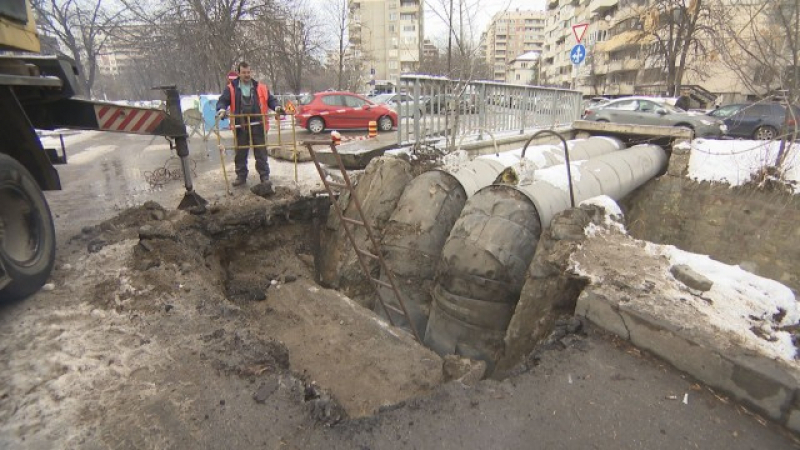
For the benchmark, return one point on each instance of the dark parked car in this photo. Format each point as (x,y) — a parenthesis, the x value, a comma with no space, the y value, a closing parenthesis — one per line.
(762,121)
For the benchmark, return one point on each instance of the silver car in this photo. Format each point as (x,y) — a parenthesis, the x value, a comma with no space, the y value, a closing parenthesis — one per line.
(403,104)
(654,111)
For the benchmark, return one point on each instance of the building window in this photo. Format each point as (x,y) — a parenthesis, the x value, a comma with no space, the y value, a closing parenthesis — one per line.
(391,28)
(392,65)
(518,76)
(392,16)
(409,27)
(408,16)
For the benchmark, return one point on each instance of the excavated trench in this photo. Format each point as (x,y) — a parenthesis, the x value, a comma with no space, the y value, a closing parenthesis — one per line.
(264,265)
(250,264)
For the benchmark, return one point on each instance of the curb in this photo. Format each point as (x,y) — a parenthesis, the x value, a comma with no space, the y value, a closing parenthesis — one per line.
(768,386)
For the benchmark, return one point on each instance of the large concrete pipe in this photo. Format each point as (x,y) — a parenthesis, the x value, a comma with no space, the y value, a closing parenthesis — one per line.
(431,203)
(483,263)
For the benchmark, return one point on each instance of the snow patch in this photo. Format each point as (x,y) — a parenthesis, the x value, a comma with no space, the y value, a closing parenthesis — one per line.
(734,162)
(740,301)
(557,175)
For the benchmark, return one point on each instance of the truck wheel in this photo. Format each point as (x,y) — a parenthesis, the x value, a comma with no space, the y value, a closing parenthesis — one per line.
(27,234)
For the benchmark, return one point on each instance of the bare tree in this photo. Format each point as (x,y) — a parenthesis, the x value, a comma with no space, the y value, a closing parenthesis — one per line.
(82,27)
(339,18)
(674,34)
(762,46)
(463,39)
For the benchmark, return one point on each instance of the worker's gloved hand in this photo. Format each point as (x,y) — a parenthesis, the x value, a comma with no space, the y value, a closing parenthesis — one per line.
(280,111)
(222,114)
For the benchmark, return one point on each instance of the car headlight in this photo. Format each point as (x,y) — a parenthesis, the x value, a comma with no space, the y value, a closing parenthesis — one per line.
(723,128)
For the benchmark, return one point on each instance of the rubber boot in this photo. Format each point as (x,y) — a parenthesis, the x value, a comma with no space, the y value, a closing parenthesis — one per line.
(239,181)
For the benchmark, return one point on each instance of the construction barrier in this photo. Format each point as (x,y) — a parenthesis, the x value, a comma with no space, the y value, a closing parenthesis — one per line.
(250,121)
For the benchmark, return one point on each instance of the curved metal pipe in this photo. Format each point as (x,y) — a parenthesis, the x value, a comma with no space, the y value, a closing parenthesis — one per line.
(430,205)
(566,158)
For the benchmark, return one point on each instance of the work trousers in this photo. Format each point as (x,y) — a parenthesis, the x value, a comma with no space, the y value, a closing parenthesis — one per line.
(243,149)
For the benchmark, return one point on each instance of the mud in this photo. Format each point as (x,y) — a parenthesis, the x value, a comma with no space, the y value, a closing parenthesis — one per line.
(168,304)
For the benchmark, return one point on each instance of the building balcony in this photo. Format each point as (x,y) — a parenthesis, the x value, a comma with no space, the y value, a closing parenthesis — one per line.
(601,6)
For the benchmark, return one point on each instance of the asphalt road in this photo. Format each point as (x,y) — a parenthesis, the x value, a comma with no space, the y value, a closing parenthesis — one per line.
(593,393)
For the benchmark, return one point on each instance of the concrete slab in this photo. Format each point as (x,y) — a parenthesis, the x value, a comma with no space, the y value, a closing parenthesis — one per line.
(644,310)
(357,154)
(640,130)
(325,322)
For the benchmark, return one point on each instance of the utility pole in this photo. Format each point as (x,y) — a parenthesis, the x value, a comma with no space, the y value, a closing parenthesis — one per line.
(450,42)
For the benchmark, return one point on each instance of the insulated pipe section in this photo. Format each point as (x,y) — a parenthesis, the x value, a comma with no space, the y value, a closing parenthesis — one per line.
(483,170)
(615,175)
(484,260)
(430,205)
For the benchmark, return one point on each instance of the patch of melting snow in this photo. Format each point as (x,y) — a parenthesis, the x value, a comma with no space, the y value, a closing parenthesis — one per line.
(557,175)
(734,161)
(613,215)
(455,160)
(82,359)
(740,301)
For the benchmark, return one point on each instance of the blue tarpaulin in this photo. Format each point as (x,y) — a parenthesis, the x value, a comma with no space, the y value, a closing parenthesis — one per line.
(208,103)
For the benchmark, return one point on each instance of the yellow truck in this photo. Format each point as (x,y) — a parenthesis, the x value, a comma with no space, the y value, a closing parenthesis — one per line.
(42,92)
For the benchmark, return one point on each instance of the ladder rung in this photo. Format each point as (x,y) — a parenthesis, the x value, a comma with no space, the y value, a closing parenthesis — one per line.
(381,283)
(367,254)
(337,185)
(353,221)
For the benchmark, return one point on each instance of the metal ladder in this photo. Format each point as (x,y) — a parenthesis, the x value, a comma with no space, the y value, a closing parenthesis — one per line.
(360,253)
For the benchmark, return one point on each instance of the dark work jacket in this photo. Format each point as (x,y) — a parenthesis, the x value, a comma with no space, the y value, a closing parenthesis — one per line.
(224,100)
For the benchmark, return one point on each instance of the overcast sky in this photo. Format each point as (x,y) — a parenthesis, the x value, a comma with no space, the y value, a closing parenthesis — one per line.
(435,28)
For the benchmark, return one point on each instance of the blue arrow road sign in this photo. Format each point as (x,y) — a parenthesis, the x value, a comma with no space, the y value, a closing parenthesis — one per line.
(578,54)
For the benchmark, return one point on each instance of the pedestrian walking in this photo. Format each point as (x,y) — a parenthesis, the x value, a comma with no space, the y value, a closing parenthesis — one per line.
(244,95)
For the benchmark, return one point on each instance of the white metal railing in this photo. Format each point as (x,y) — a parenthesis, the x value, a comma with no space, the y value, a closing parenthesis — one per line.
(452,111)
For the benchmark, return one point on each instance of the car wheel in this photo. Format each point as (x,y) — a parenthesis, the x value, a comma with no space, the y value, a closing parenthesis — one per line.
(602,120)
(385,123)
(316,125)
(765,133)
(27,234)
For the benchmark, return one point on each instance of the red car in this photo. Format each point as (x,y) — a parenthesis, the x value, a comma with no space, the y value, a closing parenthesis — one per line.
(339,110)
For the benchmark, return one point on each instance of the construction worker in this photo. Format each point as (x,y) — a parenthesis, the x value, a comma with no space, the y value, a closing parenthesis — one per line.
(245,95)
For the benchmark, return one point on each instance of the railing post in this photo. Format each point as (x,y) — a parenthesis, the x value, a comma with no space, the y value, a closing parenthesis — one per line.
(482,111)
(416,114)
(399,115)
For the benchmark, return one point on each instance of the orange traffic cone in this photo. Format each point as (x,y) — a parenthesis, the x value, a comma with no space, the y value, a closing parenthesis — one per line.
(373,129)
(336,138)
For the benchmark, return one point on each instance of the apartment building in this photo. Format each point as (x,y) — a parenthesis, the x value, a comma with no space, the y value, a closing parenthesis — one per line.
(387,35)
(616,63)
(524,69)
(509,35)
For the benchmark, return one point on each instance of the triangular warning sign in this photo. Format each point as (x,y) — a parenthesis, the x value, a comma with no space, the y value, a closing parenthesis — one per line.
(579,31)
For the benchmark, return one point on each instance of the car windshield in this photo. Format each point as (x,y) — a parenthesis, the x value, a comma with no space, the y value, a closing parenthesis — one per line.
(725,111)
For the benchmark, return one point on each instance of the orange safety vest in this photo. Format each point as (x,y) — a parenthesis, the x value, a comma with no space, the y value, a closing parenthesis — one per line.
(263,94)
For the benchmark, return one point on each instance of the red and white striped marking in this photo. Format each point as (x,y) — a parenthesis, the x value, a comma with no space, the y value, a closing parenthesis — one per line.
(129,120)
